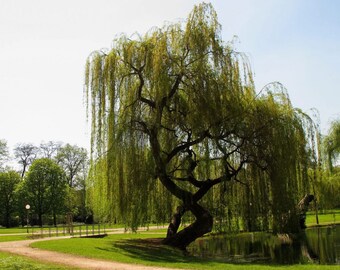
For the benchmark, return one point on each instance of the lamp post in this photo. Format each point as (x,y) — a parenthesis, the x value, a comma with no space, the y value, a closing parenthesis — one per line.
(27,208)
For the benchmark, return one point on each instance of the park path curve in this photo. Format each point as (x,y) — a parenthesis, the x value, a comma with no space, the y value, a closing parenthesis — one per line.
(23,248)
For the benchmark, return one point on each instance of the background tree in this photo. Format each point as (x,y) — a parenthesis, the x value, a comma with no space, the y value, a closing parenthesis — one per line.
(73,159)
(45,188)
(8,183)
(25,153)
(3,153)
(177,109)
(49,149)
(82,210)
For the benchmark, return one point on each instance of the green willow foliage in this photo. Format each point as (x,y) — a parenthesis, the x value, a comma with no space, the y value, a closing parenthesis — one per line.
(182,86)
(332,144)
(329,181)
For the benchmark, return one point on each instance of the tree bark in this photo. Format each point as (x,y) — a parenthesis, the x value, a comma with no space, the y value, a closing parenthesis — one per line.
(175,222)
(202,225)
(54,219)
(8,218)
(303,208)
(40,220)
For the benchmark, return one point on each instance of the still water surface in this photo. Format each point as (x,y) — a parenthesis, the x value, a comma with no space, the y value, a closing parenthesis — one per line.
(314,245)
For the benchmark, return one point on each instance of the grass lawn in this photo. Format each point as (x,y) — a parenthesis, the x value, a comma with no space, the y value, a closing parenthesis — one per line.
(10,261)
(46,229)
(133,248)
(12,230)
(327,217)
(7,238)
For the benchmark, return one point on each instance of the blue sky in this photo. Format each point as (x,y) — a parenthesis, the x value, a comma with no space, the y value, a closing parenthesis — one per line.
(44,46)
(296,43)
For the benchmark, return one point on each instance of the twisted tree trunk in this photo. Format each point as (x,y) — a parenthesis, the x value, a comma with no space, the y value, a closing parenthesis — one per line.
(175,222)
(303,208)
(202,225)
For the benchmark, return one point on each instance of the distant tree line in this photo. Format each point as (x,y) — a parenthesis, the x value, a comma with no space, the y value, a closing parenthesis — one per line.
(51,178)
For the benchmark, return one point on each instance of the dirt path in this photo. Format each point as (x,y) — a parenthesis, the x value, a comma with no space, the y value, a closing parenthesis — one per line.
(23,248)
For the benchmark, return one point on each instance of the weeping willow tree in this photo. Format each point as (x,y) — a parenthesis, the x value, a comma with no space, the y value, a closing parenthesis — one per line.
(329,184)
(176,120)
(332,144)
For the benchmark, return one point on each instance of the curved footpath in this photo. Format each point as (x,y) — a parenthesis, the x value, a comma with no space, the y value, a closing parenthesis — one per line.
(23,248)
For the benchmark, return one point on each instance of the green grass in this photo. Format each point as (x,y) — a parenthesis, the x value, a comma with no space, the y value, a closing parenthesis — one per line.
(327,217)
(134,249)
(131,248)
(12,234)
(13,262)
(12,230)
(7,238)
(23,230)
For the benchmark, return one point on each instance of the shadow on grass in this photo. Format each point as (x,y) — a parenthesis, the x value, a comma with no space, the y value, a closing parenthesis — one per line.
(153,251)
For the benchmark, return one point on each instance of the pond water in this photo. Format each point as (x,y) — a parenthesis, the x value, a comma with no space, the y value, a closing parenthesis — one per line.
(314,245)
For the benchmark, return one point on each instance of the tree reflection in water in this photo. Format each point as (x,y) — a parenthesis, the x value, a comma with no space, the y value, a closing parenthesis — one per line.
(314,245)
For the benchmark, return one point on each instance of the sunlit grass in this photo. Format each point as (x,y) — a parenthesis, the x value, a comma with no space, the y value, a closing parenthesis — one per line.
(128,248)
(62,228)
(12,230)
(326,217)
(134,249)
(7,238)
(10,261)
